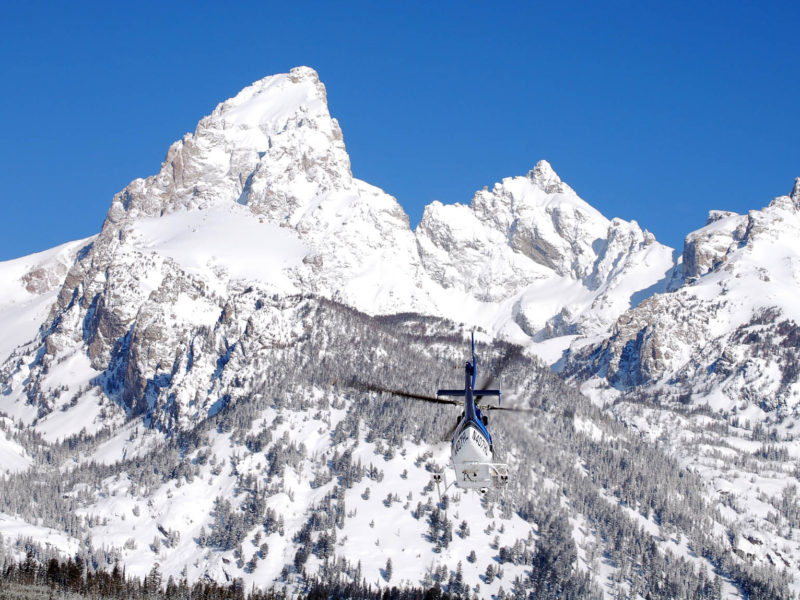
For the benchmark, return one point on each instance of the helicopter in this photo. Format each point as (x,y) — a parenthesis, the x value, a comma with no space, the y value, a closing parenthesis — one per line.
(471,444)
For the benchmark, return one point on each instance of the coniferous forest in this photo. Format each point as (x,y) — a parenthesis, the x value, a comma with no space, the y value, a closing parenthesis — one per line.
(588,497)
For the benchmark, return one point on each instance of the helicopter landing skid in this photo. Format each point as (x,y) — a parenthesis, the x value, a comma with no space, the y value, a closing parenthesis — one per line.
(438,479)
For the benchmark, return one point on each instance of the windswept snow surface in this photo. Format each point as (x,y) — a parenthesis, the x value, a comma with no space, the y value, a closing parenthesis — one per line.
(223,241)
(29,287)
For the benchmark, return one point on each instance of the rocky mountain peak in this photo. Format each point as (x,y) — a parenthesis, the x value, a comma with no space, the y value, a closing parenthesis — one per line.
(269,103)
(273,147)
(544,177)
(527,232)
(720,334)
(544,220)
(796,192)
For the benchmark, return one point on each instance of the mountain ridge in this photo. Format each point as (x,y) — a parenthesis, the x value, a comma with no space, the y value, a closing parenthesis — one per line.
(206,340)
(177,248)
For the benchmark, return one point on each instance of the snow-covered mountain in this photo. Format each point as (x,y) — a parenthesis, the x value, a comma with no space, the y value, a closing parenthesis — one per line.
(274,150)
(546,258)
(261,197)
(305,475)
(179,388)
(725,335)
(709,370)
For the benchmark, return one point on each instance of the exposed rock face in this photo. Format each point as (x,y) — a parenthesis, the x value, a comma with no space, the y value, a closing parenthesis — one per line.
(705,249)
(727,330)
(569,269)
(259,202)
(273,147)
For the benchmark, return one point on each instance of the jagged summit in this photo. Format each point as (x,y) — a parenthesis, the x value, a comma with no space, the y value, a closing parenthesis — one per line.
(273,147)
(545,178)
(542,188)
(738,275)
(270,102)
(515,241)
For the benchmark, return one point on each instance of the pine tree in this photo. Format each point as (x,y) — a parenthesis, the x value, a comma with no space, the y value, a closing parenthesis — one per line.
(388,570)
(152,583)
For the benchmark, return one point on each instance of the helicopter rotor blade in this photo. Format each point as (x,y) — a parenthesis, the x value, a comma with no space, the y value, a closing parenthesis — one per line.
(504,361)
(508,408)
(403,394)
(449,435)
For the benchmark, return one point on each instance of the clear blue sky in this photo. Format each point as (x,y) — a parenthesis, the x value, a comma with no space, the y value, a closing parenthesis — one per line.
(652,111)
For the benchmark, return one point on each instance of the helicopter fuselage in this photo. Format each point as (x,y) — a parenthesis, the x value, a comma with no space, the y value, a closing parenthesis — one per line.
(471,448)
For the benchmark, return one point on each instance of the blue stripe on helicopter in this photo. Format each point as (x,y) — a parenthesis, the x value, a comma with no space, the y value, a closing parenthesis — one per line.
(477,424)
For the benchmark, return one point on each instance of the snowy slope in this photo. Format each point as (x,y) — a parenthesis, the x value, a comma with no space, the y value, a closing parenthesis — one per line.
(300,475)
(13,456)
(726,331)
(29,287)
(220,244)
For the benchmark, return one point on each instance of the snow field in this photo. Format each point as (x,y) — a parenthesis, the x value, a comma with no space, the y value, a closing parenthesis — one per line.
(372,532)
